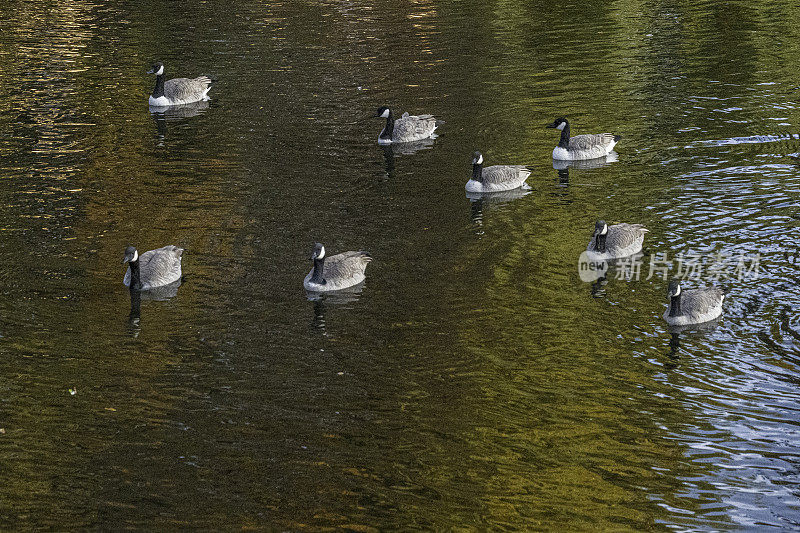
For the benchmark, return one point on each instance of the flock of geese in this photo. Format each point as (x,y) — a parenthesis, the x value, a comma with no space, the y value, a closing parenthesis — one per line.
(162,267)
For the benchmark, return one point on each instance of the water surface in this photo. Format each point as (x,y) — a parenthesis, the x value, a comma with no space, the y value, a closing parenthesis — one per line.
(474,380)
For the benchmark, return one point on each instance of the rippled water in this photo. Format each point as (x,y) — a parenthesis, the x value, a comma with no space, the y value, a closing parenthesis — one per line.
(475,380)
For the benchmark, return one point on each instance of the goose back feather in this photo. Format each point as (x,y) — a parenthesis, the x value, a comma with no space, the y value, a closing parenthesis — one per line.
(410,128)
(505,176)
(186,90)
(158,267)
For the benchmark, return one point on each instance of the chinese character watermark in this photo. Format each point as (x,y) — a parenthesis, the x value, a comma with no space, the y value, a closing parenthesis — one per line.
(713,267)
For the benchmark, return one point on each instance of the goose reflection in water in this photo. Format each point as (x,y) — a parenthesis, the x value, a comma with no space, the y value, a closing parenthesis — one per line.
(689,330)
(162,115)
(390,151)
(322,301)
(482,202)
(624,268)
(586,164)
(159,294)
(563,177)
(562,168)
(135,315)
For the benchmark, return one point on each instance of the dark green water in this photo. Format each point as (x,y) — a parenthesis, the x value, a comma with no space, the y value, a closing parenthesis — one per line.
(476,380)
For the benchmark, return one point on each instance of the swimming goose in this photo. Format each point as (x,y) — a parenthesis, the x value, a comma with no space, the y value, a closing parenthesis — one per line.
(619,240)
(337,271)
(693,306)
(589,146)
(155,268)
(497,177)
(177,91)
(407,128)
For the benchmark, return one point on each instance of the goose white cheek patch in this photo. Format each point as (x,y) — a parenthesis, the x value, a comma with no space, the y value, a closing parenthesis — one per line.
(561,126)
(135,257)
(385,114)
(160,71)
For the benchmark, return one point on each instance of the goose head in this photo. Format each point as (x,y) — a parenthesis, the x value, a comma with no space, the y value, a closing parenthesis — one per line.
(318,253)
(157,69)
(600,228)
(131,255)
(383,112)
(477,159)
(558,123)
(674,288)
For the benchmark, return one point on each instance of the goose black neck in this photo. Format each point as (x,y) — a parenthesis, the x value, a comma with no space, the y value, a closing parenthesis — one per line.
(136,282)
(477,172)
(564,141)
(388,130)
(316,276)
(675,305)
(600,243)
(158,91)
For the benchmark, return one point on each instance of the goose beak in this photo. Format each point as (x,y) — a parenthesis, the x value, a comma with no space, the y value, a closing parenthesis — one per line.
(127,258)
(552,126)
(151,71)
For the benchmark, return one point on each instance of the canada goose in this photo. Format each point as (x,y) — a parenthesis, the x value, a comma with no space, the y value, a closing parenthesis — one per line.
(693,306)
(177,91)
(337,271)
(589,146)
(495,178)
(407,128)
(155,268)
(619,240)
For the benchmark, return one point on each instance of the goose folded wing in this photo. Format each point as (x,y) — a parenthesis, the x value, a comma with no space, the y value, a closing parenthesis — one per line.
(699,302)
(346,265)
(587,142)
(414,125)
(185,88)
(622,236)
(504,174)
(161,266)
